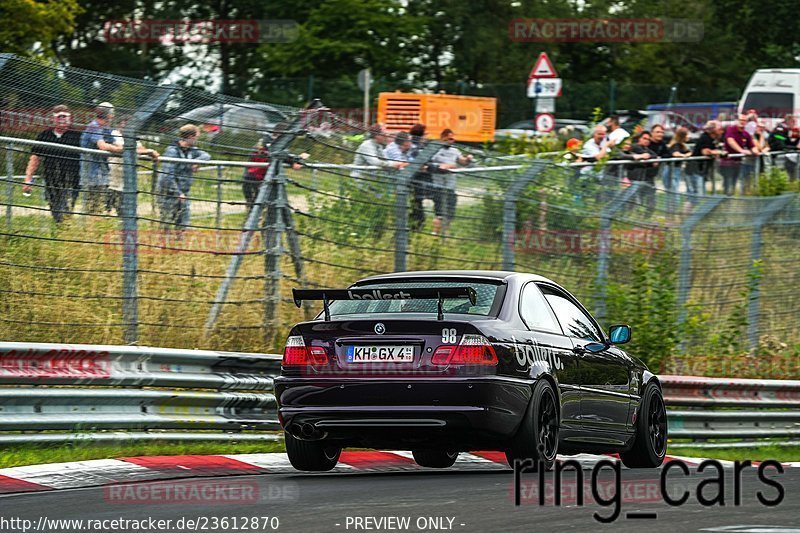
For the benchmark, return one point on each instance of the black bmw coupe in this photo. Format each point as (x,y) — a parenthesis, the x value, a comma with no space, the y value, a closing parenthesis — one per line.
(441,362)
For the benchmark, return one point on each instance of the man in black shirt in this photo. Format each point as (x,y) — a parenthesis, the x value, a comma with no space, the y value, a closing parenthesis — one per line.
(645,172)
(706,145)
(61,168)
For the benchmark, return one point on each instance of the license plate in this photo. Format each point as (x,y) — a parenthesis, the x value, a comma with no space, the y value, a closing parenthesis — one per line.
(380,354)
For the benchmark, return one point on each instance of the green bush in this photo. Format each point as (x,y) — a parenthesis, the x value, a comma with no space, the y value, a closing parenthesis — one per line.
(773,182)
(647,300)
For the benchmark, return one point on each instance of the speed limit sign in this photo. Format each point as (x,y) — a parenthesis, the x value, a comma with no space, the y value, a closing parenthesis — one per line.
(545,122)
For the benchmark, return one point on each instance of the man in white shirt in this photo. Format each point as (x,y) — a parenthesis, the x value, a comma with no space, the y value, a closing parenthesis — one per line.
(595,149)
(444,183)
(615,132)
(370,152)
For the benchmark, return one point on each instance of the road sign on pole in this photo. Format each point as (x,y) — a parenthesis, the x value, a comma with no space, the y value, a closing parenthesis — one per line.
(545,105)
(543,68)
(545,122)
(544,88)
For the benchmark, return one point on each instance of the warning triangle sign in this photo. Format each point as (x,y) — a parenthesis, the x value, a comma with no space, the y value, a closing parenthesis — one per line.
(543,68)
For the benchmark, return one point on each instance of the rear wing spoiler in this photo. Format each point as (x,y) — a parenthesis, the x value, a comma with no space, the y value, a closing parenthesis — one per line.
(427,293)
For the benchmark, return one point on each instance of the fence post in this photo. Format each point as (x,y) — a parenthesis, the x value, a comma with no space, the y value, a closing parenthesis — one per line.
(154,190)
(218,219)
(604,245)
(401,203)
(276,148)
(756,172)
(273,247)
(753,309)
(9,183)
(130,240)
(685,265)
(714,170)
(510,211)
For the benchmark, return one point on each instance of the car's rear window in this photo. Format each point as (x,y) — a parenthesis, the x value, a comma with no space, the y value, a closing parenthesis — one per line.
(486,293)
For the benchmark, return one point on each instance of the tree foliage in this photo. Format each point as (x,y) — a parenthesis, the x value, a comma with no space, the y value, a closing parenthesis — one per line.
(28,23)
(433,44)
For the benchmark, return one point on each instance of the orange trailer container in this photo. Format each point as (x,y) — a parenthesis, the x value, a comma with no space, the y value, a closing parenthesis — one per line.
(472,118)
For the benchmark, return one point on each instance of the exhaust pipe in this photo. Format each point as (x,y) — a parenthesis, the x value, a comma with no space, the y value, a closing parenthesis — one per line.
(306,431)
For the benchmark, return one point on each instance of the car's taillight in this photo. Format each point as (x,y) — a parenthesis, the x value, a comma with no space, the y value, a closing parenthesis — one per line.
(473,350)
(297,353)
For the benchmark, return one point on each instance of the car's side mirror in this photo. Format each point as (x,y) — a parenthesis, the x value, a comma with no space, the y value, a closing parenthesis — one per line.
(619,334)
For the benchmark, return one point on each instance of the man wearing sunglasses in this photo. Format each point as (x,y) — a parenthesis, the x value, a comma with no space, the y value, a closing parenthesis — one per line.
(60,168)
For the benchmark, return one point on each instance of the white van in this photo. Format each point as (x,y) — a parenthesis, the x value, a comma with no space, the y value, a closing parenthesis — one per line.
(773,93)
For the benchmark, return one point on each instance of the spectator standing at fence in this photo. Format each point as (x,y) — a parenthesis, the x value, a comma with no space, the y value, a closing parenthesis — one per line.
(676,149)
(444,182)
(175,178)
(782,139)
(421,182)
(399,149)
(737,141)
(594,150)
(94,167)
(645,172)
(616,134)
(116,173)
(698,170)
(370,152)
(761,138)
(752,122)
(60,168)
(254,176)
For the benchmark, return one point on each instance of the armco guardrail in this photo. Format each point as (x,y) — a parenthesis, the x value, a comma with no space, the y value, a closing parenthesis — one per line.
(731,408)
(57,393)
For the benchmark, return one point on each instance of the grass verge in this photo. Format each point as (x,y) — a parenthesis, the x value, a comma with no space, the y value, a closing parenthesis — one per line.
(21,455)
(32,454)
(756,453)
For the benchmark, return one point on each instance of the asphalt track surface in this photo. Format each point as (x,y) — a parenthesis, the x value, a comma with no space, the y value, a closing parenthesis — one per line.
(461,501)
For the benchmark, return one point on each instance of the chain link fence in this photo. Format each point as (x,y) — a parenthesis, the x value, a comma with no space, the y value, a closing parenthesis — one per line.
(183,251)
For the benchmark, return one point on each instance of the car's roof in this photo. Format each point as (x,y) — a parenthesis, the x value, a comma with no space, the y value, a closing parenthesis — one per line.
(491,274)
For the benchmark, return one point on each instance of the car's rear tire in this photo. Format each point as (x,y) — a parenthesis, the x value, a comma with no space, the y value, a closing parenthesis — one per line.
(650,444)
(311,456)
(537,436)
(435,458)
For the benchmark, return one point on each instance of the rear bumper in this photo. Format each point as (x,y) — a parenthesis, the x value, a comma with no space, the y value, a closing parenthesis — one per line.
(458,412)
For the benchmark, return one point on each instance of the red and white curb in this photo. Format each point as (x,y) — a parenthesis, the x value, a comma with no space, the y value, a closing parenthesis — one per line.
(35,478)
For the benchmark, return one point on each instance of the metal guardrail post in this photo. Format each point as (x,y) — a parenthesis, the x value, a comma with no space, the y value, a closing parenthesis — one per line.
(9,184)
(401,203)
(250,226)
(510,211)
(604,245)
(130,242)
(685,265)
(753,309)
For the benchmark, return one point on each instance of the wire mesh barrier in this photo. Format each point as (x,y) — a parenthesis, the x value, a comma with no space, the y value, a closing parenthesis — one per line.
(189,225)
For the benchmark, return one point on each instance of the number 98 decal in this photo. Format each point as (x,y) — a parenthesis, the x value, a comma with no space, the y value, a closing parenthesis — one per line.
(449,335)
